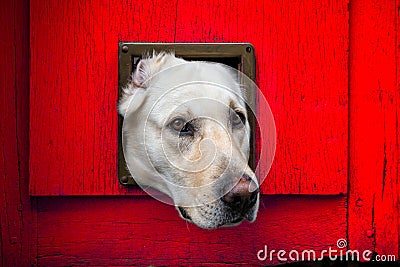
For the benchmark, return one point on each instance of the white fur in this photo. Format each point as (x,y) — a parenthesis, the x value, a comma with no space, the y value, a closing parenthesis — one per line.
(164,87)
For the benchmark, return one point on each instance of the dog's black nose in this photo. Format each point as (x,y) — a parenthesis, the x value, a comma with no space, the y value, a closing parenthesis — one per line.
(240,197)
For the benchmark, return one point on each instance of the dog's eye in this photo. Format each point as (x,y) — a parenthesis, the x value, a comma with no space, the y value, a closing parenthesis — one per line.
(238,119)
(177,124)
(182,127)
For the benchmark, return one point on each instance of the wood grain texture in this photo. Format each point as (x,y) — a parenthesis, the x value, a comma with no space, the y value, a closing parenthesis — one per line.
(301,53)
(139,231)
(122,231)
(397,52)
(17,212)
(374,127)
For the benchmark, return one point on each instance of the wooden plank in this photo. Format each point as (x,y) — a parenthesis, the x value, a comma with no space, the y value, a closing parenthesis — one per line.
(397,52)
(17,212)
(10,216)
(374,127)
(116,231)
(301,51)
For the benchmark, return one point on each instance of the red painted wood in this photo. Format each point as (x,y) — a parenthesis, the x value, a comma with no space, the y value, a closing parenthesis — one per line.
(397,51)
(105,231)
(302,70)
(120,231)
(17,214)
(374,127)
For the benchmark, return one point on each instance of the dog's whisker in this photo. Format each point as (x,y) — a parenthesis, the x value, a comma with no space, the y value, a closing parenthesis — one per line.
(187,226)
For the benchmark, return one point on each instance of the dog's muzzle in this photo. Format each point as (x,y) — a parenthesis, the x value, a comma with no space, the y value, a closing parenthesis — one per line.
(241,198)
(238,203)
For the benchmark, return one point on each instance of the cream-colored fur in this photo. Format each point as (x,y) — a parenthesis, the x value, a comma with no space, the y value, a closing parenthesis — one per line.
(194,170)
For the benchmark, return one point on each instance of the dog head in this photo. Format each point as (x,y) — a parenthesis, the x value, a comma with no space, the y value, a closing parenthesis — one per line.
(186,133)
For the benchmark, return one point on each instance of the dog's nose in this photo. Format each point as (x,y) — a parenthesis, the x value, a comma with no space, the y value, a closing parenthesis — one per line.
(240,196)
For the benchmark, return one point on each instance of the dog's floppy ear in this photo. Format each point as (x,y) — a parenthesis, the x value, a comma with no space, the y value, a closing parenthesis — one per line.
(131,99)
(135,92)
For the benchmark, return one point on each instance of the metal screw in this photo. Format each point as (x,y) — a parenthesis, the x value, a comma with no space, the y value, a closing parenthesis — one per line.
(124,179)
(125,49)
(248,49)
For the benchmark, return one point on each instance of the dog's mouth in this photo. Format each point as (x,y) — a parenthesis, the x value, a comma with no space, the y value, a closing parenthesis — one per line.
(231,209)
(218,223)
(184,214)
(238,220)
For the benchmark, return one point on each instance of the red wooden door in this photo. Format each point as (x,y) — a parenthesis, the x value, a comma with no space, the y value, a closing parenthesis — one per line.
(328,70)
(74,89)
(302,58)
(75,47)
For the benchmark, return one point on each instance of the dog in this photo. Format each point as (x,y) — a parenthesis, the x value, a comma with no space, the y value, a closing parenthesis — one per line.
(186,134)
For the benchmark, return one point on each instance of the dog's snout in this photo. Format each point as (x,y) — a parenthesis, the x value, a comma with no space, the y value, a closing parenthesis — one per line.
(241,196)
